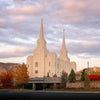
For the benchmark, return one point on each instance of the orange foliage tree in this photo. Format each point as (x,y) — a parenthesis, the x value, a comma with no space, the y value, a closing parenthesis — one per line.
(20,74)
(6,80)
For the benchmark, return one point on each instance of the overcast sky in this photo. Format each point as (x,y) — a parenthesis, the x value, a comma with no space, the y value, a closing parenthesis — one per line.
(20,27)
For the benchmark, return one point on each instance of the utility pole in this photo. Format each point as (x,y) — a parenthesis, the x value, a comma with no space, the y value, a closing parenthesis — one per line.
(88,67)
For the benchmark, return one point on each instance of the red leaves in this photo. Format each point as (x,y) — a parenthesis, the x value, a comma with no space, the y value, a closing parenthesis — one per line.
(6,79)
(94,77)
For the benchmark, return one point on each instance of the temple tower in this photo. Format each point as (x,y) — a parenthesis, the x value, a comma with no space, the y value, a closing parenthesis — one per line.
(63,51)
(39,54)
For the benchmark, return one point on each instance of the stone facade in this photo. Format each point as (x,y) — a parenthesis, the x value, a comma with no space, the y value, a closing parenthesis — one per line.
(75,85)
(81,85)
(43,62)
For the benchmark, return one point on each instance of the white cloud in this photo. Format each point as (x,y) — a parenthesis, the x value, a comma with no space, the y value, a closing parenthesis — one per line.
(18,19)
(25,10)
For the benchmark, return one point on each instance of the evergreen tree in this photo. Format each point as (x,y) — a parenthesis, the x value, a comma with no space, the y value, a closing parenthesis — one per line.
(48,74)
(83,75)
(72,76)
(63,78)
(87,82)
(54,75)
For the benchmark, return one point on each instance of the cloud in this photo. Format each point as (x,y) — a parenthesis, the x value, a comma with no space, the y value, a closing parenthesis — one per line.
(71,11)
(80,12)
(18,19)
(84,48)
(20,24)
(77,40)
(19,1)
(2,22)
(16,52)
(26,10)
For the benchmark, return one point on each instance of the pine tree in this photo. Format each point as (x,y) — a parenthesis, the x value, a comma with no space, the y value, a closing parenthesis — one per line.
(21,75)
(72,76)
(48,74)
(54,75)
(63,78)
(83,75)
(87,82)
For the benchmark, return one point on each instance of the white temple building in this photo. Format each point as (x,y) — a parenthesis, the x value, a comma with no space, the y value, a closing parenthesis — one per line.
(43,62)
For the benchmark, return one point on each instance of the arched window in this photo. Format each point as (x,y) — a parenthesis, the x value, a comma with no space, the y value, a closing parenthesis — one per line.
(36,71)
(36,64)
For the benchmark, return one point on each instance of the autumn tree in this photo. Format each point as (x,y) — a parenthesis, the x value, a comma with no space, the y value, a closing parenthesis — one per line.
(92,72)
(72,76)
(6,80)
(63,78)
(21,74)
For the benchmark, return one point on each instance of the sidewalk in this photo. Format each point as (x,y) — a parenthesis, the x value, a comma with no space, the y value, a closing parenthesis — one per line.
(69,91)
(44,91)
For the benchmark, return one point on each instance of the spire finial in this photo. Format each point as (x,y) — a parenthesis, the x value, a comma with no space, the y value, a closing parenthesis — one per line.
(41,21)
(63,44)
(63,31)
(41,30)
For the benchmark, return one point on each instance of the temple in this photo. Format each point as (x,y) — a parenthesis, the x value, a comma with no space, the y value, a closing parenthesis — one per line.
(43,63)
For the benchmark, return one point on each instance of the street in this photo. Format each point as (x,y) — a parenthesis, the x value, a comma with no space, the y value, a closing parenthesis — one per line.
(48,96)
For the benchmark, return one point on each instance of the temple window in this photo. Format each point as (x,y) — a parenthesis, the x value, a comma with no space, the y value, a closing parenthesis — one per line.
(36,64)
(36,71)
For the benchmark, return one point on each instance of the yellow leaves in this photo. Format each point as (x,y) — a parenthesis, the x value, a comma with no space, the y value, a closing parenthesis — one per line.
(92,72)
(20,74)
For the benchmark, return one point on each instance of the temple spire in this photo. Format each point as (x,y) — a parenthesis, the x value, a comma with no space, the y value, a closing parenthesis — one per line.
(63,43)
(63,51)
(41,30)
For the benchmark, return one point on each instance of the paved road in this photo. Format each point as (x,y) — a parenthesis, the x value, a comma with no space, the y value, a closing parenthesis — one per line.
(49,96)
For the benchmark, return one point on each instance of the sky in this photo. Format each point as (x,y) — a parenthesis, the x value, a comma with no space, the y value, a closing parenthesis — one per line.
(20,28)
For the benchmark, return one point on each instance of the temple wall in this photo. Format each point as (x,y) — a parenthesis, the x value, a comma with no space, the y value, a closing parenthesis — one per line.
(30,66)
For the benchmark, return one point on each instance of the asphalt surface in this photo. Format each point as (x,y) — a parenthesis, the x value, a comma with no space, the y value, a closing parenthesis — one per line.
(48,96)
